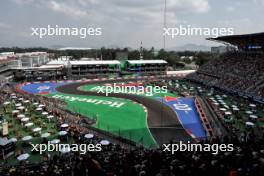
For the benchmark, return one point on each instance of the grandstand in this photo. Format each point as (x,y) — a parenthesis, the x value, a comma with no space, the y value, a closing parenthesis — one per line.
(21,65)
(239,72)
(88,69)
(44,72)
(245,43)
(33,65)
(146,67)
(78,69)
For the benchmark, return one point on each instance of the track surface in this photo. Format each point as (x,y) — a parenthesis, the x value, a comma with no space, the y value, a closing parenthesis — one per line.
(162,120)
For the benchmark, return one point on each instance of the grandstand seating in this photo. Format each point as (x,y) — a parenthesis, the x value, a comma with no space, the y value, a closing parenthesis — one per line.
(234,73)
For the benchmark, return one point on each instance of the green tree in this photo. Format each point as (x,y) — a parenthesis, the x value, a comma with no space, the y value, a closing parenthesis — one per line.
(133,55)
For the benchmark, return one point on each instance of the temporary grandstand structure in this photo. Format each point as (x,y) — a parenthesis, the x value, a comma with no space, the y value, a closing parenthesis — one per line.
(44,72)
(145,67)
(92,68)
(77,69)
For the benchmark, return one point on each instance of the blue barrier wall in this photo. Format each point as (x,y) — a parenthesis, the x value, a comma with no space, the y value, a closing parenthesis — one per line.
(41,88)
(187,114)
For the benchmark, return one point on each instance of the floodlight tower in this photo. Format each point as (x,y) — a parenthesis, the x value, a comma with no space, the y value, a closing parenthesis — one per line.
(164,23)
(164,47)
(141,51)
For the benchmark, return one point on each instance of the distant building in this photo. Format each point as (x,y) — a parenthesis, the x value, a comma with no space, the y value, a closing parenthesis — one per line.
(15,65)
(33,59)
(64,58)
(8,61)
(187,57)
(221,49)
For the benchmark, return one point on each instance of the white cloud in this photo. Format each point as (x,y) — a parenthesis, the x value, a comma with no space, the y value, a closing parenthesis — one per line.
(259,1)
(124,21)
(4,25)
(230,9)
(23,1)
(197,6)
(117,10)
(67,9)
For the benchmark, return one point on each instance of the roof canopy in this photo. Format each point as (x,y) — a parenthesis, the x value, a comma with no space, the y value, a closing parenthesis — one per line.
(242,41)
(51,66)
(57,62)
(147,61)
(102,62)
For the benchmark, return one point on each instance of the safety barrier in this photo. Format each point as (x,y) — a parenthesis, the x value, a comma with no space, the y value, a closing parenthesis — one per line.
(203,118)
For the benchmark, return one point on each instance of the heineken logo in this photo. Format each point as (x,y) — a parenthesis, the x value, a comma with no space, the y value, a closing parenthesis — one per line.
(114,104)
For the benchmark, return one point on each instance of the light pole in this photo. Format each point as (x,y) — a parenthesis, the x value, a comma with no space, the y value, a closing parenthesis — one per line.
(164,23)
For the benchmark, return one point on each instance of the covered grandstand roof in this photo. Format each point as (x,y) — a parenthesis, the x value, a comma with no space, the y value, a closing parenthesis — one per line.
(147,61)
(44,67)
(51,66)
(57,62)
(244,41)
(102,62)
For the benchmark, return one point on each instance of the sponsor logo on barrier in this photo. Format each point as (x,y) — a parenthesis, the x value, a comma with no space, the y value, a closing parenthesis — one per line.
(182,107)
(187,115)
(40,88)
(177,104)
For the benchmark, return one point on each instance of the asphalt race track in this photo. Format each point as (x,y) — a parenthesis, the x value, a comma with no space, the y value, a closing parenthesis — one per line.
(162,121)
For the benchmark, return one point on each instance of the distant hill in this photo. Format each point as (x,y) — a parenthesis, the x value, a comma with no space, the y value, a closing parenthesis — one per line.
(191,47)
(56,46)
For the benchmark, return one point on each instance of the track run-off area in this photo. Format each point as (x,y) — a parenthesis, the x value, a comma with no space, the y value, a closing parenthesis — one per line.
(149,120)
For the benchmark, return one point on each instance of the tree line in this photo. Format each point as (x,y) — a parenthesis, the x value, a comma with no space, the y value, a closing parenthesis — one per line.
(174,58)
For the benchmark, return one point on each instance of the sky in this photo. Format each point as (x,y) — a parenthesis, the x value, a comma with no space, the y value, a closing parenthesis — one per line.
(124,23)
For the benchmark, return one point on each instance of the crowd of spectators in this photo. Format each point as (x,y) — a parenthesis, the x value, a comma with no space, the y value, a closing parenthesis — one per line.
(118,160)
(234,72)
(246,160)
